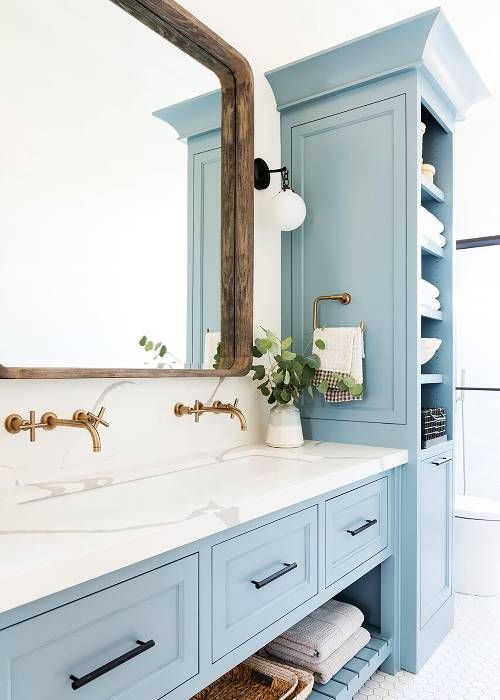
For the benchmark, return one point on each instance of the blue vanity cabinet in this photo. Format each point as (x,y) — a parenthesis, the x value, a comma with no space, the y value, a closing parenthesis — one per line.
(158,609)
(260,576)
(349,125)
(436,535)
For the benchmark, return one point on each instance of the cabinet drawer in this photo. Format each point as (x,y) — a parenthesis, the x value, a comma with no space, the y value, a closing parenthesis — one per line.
(260,576)
(76,639)
(356,528)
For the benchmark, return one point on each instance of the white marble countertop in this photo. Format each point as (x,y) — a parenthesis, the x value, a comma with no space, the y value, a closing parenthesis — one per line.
(56,536)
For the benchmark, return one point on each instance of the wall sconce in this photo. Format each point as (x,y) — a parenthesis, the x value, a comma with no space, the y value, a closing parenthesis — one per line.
(288,209)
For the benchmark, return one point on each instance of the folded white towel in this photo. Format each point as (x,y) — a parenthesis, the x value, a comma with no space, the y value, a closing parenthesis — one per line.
(344,351)
(325,670)
(212,340)
(428,223)
(436,239)
(321,633)
(428,290)
(433,304)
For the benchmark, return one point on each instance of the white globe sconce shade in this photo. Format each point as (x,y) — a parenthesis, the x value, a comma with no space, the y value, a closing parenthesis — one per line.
(288,209)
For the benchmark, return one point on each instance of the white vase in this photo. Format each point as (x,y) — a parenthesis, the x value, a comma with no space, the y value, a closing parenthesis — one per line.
(284,428)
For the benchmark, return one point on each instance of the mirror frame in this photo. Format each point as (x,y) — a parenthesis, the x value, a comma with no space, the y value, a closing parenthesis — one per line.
(185,31)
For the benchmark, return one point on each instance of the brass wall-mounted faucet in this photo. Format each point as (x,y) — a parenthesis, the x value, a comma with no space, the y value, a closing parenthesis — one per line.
(49,421)
(217,407)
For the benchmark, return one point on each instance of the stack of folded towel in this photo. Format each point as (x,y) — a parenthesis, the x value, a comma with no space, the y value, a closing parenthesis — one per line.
(429,296)
(430,229)
(322,642)
(343,355)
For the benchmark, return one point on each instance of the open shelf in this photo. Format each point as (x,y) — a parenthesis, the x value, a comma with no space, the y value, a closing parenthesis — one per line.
(428,452)
(347,682)
(430,192)
(429,249)
(431,378)
(431,313)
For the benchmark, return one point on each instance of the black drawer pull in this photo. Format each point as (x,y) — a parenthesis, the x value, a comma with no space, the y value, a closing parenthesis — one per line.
(89,677)
(368,524)
(441,461)
(273,577)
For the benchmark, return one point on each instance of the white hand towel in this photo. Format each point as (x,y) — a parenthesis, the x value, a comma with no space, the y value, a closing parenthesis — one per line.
(212,340)
(428,290)
(427,222)
(344,351)
(435,239)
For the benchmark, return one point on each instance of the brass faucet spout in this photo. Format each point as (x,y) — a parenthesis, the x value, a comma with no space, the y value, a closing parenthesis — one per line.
(217,407)
(96,439)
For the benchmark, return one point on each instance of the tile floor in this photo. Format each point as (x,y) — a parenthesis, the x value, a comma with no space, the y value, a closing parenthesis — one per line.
(465,667)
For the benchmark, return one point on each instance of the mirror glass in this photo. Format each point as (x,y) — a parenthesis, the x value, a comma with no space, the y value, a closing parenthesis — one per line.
(110,192)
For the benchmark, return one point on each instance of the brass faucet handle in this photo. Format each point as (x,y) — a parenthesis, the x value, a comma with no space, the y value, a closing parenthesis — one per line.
(235,405)
(97,420)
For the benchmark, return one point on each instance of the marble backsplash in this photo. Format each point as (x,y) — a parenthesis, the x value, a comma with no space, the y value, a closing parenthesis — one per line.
(143,429)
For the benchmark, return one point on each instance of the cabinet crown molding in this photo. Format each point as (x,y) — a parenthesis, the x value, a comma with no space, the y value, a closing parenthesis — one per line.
(426,43)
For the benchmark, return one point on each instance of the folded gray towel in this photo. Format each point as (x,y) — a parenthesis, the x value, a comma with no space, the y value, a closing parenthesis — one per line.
(325,670)
(321,633)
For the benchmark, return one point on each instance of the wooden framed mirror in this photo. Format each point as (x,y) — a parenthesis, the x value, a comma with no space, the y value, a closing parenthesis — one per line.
(127,170)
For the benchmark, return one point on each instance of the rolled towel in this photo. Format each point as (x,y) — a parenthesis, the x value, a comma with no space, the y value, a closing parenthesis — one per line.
(428,290)
(433,304)
(428,223)
(321,633)
(325,670)
(436,239)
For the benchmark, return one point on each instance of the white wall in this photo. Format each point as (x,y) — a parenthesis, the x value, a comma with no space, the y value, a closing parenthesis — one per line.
(269,34)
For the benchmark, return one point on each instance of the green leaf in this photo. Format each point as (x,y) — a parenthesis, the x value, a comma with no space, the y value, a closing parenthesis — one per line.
(287,355)
(341,386)
(349,382)
(263,384)
(158,345)
(320,344)
(163,351)
(149,346)
(256,352)
(310,391)
(285,344)
(313,361)
(287,377)
(263,344)
(265,391)
(271,399)
(143,341)
(260,372)
(278,377)
(323,386)
(285,396)
(356,390)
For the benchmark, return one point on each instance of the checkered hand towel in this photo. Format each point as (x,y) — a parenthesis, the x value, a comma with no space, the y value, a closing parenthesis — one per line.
(343,353)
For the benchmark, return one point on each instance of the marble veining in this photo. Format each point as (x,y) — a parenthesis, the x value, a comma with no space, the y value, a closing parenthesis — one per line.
(82,529)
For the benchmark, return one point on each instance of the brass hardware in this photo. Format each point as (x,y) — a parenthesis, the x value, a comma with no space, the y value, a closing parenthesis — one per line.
(217,407)
(49,421)
(344,298)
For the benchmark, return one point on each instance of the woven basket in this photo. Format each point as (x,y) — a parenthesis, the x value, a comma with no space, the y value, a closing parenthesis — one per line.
(248,681)
(305,678)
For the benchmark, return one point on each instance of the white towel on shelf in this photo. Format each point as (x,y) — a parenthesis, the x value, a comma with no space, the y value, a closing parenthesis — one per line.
(433,304)
(428,223)
(344,351)
(320,633)
(435,239)
(428,290)
(212,340)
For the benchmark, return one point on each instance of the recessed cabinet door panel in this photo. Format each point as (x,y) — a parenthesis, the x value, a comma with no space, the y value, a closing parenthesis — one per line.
(351,170)
(39,656)
(261,576)
(436,518)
